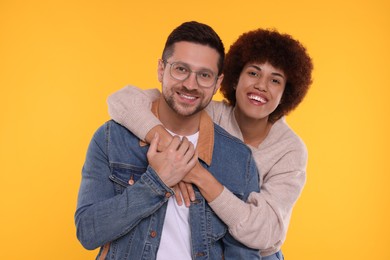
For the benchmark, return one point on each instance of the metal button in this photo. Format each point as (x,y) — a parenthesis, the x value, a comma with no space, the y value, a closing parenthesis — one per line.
(131,181)
(153,234)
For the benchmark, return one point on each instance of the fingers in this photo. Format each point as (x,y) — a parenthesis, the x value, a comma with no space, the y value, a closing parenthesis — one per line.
(193,160)
(175,143)
(178,197)
(185,194)
(184,145)
(191,191)
(173,163)
(153,145)
(186,149)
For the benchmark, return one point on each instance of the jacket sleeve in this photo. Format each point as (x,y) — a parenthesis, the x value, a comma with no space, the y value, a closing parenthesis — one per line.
(131,107)
(101,215)
(262,221)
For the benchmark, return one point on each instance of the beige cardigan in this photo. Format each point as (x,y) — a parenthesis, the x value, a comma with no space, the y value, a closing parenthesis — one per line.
(262,221)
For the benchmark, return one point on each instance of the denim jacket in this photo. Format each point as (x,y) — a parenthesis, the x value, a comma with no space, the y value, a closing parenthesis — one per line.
(126,220)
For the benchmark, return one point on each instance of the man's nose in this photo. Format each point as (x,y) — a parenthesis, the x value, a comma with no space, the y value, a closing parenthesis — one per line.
(191,82)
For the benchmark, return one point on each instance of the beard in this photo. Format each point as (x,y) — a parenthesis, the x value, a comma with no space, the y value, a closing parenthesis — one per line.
(181,108)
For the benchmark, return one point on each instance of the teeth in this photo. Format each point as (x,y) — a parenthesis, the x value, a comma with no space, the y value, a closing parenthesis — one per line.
(188,97)
(257,98)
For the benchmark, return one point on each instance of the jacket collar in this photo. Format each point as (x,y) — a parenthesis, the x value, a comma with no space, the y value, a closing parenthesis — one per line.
(205,144)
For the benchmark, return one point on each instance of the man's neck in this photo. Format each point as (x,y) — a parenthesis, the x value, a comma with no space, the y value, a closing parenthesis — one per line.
(178,124)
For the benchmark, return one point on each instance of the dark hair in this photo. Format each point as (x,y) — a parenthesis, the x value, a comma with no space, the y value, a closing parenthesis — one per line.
(196,33)
(282,52)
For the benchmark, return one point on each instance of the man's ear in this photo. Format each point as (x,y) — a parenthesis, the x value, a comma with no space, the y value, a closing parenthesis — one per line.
(218,84)
(160,70)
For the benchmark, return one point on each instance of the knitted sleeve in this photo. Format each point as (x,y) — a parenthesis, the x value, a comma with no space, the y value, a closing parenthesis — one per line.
(262,221)
(131,107)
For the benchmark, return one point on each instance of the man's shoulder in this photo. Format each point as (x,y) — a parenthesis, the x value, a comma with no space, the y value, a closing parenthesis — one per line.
(228,140)
(113,129)
(112,124)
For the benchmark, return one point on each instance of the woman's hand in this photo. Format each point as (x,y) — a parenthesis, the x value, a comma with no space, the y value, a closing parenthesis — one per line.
(208,185)
(184,191)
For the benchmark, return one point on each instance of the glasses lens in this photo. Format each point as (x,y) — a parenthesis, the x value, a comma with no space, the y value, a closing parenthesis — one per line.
(180,71)
(205,78)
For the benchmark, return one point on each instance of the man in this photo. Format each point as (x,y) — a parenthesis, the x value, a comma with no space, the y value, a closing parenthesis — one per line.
(125,203)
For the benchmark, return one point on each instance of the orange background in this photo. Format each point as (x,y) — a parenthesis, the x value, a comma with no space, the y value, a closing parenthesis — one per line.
(59,60)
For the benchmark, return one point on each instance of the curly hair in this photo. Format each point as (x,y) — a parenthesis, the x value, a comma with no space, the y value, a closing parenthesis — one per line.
(282,52)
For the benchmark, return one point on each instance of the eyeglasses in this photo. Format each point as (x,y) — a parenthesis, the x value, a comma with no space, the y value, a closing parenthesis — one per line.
(180,71)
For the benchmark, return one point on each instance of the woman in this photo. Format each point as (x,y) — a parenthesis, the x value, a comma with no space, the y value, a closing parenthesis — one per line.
(266,75)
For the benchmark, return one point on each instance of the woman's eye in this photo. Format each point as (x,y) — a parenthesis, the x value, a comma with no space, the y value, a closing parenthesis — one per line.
(253,74)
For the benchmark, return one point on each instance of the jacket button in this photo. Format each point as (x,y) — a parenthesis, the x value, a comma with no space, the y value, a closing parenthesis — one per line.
(200,254)
(153,234)
(168,195)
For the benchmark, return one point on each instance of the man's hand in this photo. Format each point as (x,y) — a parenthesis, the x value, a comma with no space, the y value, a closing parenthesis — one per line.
(174,162)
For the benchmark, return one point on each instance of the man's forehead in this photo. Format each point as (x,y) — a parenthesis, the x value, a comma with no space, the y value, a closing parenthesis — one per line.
(196,55)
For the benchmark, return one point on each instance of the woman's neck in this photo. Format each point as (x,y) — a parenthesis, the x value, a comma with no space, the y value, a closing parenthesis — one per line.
(254,131)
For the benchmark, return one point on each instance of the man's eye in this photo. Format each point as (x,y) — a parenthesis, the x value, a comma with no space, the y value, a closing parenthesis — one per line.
(181,69)
(205,75)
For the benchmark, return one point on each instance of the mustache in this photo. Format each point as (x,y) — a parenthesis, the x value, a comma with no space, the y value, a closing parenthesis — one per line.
(185,90)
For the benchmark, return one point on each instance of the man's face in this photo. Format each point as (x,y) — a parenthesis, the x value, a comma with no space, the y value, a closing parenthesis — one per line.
(187,97)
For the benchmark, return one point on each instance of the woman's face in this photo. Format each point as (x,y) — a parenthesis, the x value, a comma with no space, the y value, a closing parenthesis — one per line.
(259,90)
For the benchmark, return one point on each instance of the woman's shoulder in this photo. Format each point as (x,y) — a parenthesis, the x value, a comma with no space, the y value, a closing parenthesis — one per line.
(218,108)
(282,135)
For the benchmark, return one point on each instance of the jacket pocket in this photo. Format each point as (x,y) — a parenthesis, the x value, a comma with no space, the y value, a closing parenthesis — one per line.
(125,175)
(216,228)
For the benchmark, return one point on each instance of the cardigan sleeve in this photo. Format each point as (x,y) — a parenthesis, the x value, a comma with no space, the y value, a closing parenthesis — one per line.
(262,221)
(131,107)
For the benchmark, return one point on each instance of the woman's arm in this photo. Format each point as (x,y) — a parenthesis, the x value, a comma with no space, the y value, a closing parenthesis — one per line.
(262,221)
(131,107)
(208,185)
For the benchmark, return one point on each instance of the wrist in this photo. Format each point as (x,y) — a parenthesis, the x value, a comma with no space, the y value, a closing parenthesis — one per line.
(165,137)
(208,185)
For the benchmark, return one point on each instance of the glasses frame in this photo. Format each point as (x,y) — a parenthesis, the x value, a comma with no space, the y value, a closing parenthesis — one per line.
(189,74)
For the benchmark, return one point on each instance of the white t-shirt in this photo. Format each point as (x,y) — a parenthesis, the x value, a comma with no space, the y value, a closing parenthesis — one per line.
(176,234)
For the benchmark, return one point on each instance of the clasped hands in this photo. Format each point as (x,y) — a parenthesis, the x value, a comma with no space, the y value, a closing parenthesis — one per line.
(177,165)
